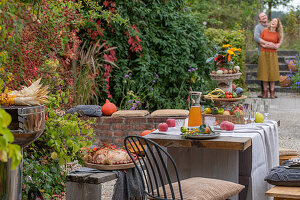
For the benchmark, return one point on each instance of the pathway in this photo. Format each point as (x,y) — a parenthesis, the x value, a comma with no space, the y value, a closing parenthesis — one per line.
(286,108)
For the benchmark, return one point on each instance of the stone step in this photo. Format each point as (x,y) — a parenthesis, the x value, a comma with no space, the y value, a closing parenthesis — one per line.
(253,67)
(255,81)
(252,75)
(281,59)
(257,88)
(279,53)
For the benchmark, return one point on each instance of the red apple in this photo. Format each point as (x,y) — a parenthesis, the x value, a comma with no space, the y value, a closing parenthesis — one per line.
(171,122)
(163,127)
(233,87)
(226,125)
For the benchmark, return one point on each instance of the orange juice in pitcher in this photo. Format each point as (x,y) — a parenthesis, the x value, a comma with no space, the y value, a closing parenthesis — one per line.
(195,116)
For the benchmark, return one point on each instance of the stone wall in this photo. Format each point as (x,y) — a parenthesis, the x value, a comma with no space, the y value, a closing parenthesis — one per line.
(115,129)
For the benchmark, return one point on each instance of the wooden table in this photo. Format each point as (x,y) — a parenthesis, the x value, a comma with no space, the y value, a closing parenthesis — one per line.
(221,142)
(211,158)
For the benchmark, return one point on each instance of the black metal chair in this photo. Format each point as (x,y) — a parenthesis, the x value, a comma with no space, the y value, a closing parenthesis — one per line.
(154,164)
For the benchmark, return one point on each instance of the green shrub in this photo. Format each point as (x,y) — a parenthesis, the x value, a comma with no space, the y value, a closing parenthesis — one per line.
(61,143)
(219,37)
(158,73)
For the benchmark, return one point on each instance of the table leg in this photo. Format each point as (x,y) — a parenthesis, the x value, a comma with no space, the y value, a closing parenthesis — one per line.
(209,163)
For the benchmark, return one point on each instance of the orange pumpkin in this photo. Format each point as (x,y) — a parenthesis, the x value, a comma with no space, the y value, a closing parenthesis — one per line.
(108,108)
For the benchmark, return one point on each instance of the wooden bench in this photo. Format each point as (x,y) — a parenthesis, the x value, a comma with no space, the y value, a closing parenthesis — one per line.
(284,158)
(87,186)
(284,193)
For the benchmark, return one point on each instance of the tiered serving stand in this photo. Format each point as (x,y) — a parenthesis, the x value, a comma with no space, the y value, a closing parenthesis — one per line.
(225,83)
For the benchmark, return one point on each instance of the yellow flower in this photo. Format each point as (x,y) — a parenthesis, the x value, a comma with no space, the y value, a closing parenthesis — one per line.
(230,52)
(233,49)
(2,70)
(226,45)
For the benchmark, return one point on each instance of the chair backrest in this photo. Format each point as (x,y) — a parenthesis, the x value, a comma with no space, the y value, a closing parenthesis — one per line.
(153,164)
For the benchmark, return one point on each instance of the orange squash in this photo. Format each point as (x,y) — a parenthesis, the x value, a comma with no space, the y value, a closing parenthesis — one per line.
(108,108)
(146,132)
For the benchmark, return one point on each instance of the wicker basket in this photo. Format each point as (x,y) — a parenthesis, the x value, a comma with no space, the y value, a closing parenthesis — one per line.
(231,118)
(284,81)
(225,76)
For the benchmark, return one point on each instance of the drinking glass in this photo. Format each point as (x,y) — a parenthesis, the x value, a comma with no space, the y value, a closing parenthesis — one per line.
(257,104)
(252,113)
(210,121)
(179,123)
(246,112)
(266,107)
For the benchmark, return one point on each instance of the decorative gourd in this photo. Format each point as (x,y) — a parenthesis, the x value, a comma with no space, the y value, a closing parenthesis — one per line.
(108,108)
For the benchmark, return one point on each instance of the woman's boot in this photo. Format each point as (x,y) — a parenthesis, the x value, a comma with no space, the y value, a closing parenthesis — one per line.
(272,94)
(265,95)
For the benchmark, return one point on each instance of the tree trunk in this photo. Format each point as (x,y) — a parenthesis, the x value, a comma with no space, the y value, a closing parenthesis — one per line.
(269,10)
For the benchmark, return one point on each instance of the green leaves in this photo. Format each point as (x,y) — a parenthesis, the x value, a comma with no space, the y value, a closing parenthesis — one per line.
(7,149)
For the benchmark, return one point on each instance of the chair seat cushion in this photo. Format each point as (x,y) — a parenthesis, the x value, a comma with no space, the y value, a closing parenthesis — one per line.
(282,176)
(170,113)
(198,188)
(130,113)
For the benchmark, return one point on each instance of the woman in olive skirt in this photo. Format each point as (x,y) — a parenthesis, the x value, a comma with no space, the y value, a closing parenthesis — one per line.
(268,68)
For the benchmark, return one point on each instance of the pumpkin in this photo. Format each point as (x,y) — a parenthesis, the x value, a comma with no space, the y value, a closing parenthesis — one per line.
(108,108)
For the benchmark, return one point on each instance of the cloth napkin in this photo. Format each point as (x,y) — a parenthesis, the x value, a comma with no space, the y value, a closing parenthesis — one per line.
(129,185)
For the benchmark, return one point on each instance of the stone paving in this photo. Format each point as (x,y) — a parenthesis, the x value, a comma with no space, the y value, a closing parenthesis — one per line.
(286,108)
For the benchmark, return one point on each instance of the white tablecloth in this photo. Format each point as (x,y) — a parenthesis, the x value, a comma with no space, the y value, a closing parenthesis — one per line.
(264,155)
(257,160)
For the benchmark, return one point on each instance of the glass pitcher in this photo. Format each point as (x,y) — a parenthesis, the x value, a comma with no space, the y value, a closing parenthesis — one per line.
(195,116)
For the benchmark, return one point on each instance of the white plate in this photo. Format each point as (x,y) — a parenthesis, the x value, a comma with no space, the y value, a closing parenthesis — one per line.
(203,136)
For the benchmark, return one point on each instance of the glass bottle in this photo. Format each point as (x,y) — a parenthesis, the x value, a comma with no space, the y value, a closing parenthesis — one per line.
(195,116)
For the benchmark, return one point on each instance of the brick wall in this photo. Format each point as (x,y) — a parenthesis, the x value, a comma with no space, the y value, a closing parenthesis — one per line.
(115,129)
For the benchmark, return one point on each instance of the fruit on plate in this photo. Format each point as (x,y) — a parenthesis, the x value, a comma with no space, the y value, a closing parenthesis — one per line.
(233,87)
(239,91)
(207,130)
(220,111)
(237,68)
(170,122)
(236,112)
(203,129)
(215,111)
(163,127)
(219,72)
(259,118)
(216,93)
(227,126)
(207,111)
(183,129)
(226,112)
